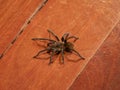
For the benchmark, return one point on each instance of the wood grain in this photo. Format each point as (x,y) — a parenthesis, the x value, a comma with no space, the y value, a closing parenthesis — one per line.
(103,71)
(90,21)
(13,15)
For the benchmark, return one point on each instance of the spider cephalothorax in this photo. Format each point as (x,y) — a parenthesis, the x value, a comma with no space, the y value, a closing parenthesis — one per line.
(58,46)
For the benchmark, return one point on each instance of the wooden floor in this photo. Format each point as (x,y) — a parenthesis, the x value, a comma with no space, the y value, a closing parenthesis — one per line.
(103,71)
(95,22)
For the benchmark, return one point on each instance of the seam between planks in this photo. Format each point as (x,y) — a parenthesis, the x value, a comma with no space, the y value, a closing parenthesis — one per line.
(40,6)
(94,53)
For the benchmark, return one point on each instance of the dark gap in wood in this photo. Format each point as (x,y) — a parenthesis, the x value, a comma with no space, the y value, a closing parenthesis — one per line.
(45,1)
(13,41)
(40,8)
(29,22)
(21,32)
(42,5)
(1,55)
(23,27)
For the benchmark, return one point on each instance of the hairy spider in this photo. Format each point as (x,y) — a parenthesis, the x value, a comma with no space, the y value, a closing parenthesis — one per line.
(58,46)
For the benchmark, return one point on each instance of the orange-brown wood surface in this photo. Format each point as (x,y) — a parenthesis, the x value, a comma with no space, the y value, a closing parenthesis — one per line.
(103,71)
(90,20)
(13,14)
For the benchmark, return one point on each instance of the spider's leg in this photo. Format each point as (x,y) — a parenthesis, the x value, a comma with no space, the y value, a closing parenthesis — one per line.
(51,57)
(62,53)
(43,39)
(50,32)
(64,37)
(75,38)
(78,54)
(40,52)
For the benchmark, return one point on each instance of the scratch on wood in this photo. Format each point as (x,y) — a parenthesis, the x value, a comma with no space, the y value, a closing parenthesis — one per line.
(41,5)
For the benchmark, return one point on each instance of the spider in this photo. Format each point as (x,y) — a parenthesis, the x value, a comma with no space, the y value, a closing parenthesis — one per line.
(55,47)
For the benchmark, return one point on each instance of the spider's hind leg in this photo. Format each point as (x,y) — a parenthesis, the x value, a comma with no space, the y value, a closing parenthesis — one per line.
(62,53)
(64,37)
(51,61)
(40,52)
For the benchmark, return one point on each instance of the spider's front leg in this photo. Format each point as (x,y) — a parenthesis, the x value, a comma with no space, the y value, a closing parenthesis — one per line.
(43,39)
(74,37)
(78,54)
(50,32)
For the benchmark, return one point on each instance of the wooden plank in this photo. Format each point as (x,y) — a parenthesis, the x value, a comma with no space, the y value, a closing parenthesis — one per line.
(13,14)
(91,21)
(103,71)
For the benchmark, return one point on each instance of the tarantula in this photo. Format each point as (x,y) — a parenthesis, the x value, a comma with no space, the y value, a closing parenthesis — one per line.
(58,46)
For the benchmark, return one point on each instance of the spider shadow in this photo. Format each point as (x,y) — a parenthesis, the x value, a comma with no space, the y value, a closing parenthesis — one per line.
(41,43)
(42,56)
(67,56)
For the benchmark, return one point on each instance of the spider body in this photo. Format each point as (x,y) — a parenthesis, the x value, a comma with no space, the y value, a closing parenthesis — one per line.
(58,46)
(55,47)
